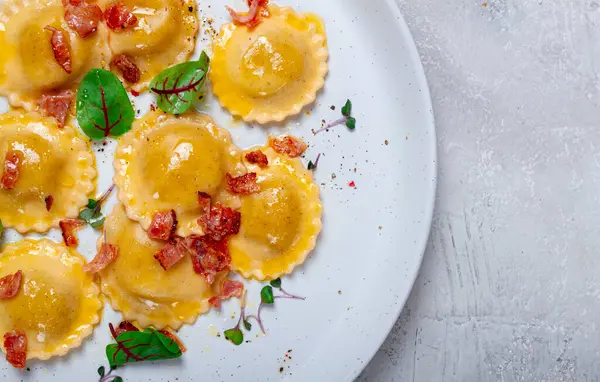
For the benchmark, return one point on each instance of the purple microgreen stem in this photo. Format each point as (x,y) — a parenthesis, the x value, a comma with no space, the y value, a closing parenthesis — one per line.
(341,121)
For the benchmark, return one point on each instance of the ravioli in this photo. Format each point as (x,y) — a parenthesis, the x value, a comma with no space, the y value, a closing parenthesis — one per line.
(141,289)
(58,304)
(26,55)
(164,161)
(280,223)
(56,163)
(165,35)
(270,72)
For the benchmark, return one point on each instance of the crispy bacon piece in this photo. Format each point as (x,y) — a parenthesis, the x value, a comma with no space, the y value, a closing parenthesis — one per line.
(68,228)
(291,146)
(209,257)
(243,184)
(175,339)
(125,326)
(257,157)
(221,222)
(118,17)
(163,225)
(253,17)
(82,17)
(12,166)
(57,105)
(106,255)
(171,253)
(10,285)
(49,200)
(15,343)
(131,73)
(205,202)
(61,48)
(229,289)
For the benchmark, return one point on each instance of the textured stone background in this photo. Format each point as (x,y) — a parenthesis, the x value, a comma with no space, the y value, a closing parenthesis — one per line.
(510,287)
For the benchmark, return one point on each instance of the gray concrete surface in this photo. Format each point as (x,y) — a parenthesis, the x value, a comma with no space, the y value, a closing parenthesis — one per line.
(510,287)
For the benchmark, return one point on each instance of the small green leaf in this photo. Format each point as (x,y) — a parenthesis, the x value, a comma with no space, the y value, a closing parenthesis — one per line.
(101,371)
(179,85)
(92,203)
(117,379)
(234,335)
(149,345)
(247,325)
(347,109)
(277,282)
(92,216)
(103,107)
(311,165)
(351,123)
(266,295)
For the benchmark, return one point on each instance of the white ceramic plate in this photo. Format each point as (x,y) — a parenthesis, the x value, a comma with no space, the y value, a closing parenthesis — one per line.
(374,235)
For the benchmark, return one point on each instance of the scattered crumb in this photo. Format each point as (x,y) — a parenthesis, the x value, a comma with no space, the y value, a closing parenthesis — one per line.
(380,227)
(281,369)
(332,107)
(339,292)
(406,137)
(307,112)
(387,142)
(354,169)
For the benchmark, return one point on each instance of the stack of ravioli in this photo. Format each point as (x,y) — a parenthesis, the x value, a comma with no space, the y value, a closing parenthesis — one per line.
(261,74)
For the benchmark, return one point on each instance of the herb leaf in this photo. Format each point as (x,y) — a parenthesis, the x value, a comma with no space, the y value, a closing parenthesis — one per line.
(351,123)
(347,109)
(266,295)
(92,203)
(234,335)
(92,216)
(247,325)
(178,85)
(149,345)
(103,108)
(277,282)
(117,379)
(101,371)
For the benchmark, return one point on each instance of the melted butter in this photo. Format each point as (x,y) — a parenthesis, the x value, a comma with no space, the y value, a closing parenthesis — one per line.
(269,65)
(181,160)
(7,52)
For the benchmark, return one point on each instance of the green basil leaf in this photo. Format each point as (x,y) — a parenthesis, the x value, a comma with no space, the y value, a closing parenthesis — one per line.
(234,335)
(347,109)
(103,108)
(148,345)
(179,85)
(266,295)
(351,123)
(277,282)
(101,371)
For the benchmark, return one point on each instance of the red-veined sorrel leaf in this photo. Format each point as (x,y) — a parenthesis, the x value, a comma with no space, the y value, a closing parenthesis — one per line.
(103,108)
(149,345)
(177,86)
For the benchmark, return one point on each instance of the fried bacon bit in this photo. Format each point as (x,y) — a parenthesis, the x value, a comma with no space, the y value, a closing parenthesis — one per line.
(171,253)
(125,326)
(209,257)
(220,222)
(49,200)
(68,228)
(57,105)
(135,93)
(15,344)
(118,17)
(82,17)
(257,157)
(163,225)
(229,289)
(131,73)
(291,146)
(174,338)
(106,255)
(61,48)
(251,19)
(204,200)
(10,285)
(243,185)
(12,165)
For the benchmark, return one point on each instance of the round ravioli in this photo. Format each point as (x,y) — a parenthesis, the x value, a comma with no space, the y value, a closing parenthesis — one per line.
(141,289)
(55,172)
(272,71)
(58,304)
(164,161)
(27,57)
(164,35)
(280,223)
